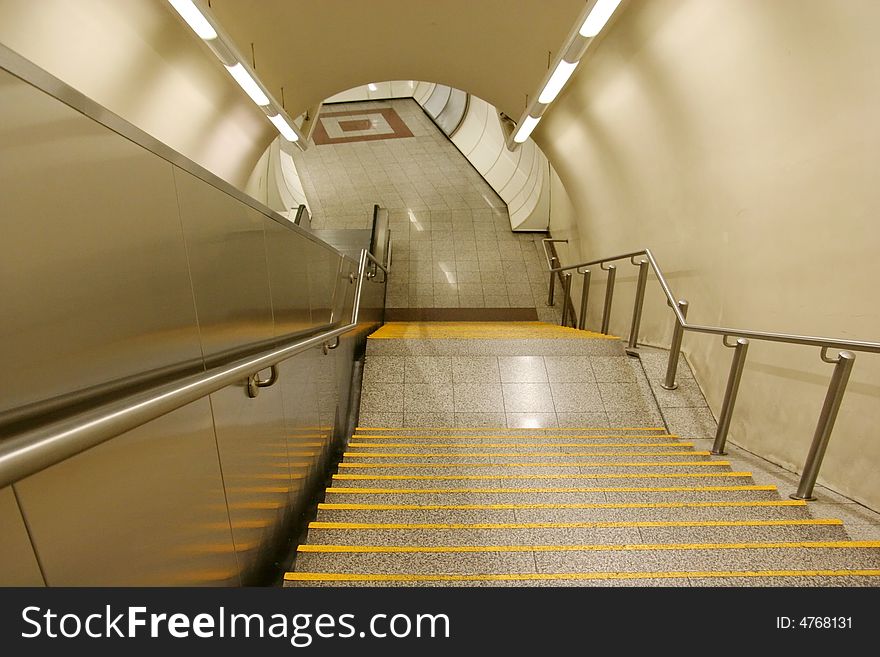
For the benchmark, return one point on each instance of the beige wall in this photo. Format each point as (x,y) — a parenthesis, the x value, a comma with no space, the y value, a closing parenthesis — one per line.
(739,140)
(136,58)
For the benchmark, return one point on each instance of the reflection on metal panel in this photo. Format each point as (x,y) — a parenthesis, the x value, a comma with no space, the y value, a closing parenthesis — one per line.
(256,471)
(144,509)
(227,259)
(288,268)
(93,269)
(18,564)
(115,264)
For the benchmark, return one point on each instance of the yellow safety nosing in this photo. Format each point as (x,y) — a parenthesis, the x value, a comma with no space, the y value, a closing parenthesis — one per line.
(512,435)
(602,547)
(591,524)
(334,506)
(511,445)
(640,475)
(446,455)
(432,330)
(598,489)
(586,464)
(512,428)
(544,577)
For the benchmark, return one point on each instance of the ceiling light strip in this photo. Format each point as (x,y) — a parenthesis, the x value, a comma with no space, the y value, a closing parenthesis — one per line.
(203,23)
(591,21)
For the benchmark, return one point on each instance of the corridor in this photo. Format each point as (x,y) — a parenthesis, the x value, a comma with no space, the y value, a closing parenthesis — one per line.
(452,242)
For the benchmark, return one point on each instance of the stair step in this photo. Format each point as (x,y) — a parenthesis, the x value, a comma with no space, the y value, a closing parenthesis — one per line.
(481,330)
(554,512)
(539,467)
(795,577)
(510,559)
(490,444)
(521,459)
(475,432)
(701,476)
(558,493)
(540,345)
(574,533)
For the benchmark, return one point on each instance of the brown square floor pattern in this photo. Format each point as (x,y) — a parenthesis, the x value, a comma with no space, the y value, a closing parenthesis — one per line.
(398,127)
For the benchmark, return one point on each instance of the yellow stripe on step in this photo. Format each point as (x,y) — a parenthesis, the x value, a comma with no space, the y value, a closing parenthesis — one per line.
(594,524)
(446,455)
(600,489)
(482,330)
(496,445)
(616,464)
(640,475)
(629,436)
(332,506)
(575,577)
(601,547)
(476,429)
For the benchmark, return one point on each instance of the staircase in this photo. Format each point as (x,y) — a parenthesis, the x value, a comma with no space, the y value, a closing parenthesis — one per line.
(618,503)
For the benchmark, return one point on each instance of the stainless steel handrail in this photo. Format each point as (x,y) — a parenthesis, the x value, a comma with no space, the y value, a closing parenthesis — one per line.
(843,362)
(36,449)
(792,338)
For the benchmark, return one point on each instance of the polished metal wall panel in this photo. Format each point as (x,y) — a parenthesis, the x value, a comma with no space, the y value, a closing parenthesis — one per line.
(288,255)
(307,439)
(18,563)
(93,273)
(146,508)
(226,247)
(256,470)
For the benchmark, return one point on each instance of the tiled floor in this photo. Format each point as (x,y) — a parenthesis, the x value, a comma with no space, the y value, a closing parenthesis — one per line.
(452,243)
(541,383)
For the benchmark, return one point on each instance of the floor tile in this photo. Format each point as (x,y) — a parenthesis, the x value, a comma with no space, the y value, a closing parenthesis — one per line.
(475,369)
(527,398)
(576,398)
(569,369)
(531,420)
(428,369)
(478,398)
(522,369)
(427,398)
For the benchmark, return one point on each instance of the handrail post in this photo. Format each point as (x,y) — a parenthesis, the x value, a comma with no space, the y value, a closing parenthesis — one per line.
(609,295)
(632,347)
(566,301)
(736,369)
(833,398)
(553,262)
(669,383)
(585,297)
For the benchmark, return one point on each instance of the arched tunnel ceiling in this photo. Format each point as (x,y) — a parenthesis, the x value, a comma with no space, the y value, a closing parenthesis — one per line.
(496,49)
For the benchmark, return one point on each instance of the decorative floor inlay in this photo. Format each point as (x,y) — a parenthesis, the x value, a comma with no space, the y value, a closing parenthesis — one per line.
(359,125)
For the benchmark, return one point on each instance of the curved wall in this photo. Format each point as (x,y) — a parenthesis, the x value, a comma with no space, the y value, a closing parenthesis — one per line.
(739,140)
(521,177)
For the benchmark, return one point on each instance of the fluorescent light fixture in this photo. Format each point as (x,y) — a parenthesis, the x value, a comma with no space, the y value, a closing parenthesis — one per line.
(525,129)
(246,82)
(554,85)
(372,86)
(194,18)
(283,127)
(597,18)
